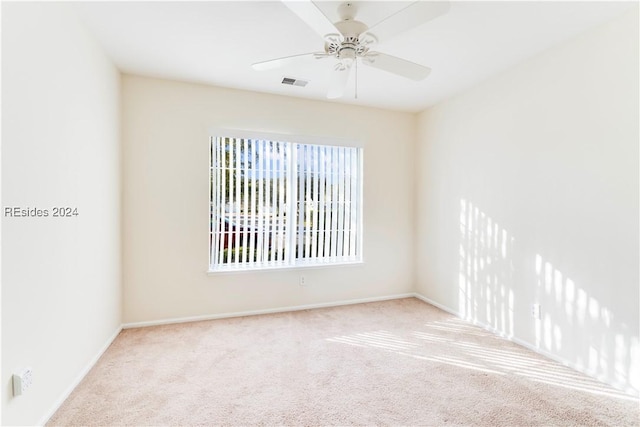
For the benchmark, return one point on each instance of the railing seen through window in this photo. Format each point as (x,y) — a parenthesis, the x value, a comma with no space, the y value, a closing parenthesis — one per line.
(278,204)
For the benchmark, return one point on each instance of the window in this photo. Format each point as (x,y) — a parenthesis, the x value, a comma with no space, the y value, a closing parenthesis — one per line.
(283,204)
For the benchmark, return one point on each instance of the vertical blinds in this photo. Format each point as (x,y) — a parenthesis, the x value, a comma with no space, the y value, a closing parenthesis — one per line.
(279,203)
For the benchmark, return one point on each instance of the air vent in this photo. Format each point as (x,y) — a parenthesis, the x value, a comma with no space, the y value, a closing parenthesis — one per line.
(294,82)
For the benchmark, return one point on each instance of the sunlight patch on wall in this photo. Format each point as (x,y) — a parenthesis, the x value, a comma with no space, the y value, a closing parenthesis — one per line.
(486,269)
(575,319)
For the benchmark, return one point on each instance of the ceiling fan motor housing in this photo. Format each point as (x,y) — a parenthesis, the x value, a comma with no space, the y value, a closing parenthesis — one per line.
(351,28)
(350,47)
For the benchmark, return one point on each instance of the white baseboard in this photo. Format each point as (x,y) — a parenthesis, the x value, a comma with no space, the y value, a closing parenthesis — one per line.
(79,378)
(528,345)
(263,311)
(435,304)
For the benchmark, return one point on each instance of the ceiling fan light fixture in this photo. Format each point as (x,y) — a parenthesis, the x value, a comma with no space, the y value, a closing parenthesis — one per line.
(347,53)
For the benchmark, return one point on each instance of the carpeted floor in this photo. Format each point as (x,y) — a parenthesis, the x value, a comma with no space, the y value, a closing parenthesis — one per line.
(399,362)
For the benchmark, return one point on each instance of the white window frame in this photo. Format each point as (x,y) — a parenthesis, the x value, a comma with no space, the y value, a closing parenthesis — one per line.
(291,261)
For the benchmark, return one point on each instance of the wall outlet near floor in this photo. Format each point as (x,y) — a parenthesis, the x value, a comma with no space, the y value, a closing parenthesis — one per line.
(535,311)
(22,381)
(303,280)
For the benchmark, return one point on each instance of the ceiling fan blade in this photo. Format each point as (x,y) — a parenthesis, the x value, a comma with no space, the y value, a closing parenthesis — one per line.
(281,62)
(312,16)
(411,16)
(396,65)
(338,81)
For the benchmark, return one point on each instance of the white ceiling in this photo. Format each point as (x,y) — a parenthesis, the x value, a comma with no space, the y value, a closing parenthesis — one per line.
(216,42)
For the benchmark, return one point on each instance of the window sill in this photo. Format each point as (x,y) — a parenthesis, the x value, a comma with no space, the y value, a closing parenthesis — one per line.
(276,267)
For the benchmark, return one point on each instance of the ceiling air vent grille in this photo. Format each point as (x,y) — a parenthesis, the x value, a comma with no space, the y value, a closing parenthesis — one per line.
(294,82)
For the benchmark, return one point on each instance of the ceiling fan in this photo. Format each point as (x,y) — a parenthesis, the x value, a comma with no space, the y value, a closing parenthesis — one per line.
(350,40)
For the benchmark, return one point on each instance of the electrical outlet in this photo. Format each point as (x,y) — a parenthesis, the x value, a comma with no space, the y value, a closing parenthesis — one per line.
(535,311)
(303,280)
(22,381)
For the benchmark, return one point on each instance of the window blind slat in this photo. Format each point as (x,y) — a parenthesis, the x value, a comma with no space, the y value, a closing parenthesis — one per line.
(252,236)
(314,203)
(347,205)
(238,184)
(340,226)
(274,203)
(245,200)
(334,200)
(281,201)
(213,212)
(348,214)
(292,196)
(215,226)
(307,201)
(322,181)
(222,162)
(299,203)
(267,200)
(275,245)
(329,203)
(355,200)
(261,209)
(230,211)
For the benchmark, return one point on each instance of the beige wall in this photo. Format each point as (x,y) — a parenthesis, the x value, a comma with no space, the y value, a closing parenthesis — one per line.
(165,136)
(61,278)
(528,193)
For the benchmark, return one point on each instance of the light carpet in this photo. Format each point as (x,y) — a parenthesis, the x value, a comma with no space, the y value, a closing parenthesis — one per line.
(399,362)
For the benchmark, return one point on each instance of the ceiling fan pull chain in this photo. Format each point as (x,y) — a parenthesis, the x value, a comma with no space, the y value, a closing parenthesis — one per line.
(356,78)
